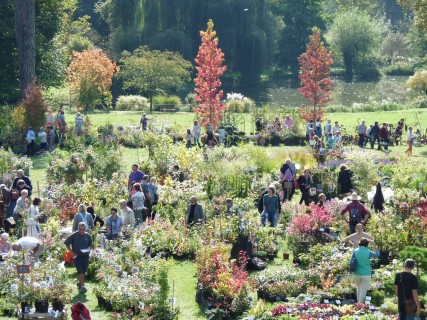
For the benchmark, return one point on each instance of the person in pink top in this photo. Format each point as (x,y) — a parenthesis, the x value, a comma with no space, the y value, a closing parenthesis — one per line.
(289,122)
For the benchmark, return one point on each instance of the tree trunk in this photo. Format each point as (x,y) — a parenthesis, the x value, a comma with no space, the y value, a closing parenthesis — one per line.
(348,63)
(25,41)
(151,103)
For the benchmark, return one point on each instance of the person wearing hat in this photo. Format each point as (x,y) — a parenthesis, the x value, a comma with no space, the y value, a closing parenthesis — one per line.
(79,124)
(357,213)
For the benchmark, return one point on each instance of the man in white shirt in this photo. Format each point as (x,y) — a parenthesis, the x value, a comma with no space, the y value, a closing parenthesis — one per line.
(196,132)
(31,137)
(128,216)
(32,245)
(336,128)
(43,138)
(361,130)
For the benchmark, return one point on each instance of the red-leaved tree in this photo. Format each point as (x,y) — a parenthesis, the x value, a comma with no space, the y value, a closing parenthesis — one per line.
(35,107)
(209,70)
(315,66)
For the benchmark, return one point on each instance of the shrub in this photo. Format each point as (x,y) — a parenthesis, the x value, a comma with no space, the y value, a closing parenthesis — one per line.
(162,102)
(238,103)
(132,102)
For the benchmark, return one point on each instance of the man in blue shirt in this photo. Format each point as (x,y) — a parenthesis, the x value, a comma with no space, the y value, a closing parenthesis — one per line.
(114,225)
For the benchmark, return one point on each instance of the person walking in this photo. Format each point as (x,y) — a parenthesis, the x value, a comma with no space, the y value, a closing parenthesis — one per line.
(270,208)
(80,243)
(357,211)
(384,136)
(287,180)
(410,137)
(375,135)
(362,275)
(43,138)
(406,288)
(79,124)
(188,138)
(354,238)
(305,182)
(82,216)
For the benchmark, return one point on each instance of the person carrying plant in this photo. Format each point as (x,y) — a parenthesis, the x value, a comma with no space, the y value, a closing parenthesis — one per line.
(80,243)
(357,213)
(406,290)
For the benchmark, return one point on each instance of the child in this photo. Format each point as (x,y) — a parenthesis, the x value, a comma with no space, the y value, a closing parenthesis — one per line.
(189,138)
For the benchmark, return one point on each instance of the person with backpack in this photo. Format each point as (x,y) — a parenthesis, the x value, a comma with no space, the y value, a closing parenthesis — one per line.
(83,216)
(363,272)
(287,172)
(357,213)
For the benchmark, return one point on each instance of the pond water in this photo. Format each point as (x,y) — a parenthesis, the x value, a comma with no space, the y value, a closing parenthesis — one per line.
(387,89)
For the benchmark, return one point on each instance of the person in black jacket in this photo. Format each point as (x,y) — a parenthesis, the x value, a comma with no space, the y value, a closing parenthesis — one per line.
(344,179)
(96,218)
(378,199)
(20,176)
(375,135)
(305,182)
(406,288)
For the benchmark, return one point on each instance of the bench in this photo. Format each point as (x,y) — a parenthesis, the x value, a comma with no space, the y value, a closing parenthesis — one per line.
(168,110)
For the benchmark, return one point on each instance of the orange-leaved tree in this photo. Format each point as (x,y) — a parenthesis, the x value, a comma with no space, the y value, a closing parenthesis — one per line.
(209,70)
(35,107)
(315,66)
(90,76)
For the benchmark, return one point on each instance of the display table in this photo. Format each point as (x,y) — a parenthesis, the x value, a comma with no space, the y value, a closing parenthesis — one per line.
(38,315)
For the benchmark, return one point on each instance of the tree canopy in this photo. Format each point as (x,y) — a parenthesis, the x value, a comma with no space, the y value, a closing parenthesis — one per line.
(153,71)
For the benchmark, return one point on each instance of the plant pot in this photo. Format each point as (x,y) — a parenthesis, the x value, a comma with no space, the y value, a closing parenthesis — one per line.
(384,257)
(41,306)
(108,306)
(101,301)
(285,256)
(57,305)
(271,256)
(24,305)
(260,294)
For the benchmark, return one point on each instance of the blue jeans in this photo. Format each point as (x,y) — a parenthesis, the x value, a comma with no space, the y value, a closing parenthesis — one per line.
(271,217)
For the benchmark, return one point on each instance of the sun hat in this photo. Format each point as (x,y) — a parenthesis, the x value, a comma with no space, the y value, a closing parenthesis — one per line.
(354,197)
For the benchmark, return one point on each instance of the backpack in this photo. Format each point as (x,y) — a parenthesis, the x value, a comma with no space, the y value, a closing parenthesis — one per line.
(80,312)
(14,195)
(353,262)
(355,216)
(283,168)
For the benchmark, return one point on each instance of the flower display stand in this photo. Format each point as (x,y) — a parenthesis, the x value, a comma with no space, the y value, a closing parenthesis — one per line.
(38,315)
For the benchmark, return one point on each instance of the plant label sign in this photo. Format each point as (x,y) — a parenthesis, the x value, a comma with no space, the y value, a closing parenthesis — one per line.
(141,305)
(326,301)
(338,302)
(23,268)
(368,298)
(14,288)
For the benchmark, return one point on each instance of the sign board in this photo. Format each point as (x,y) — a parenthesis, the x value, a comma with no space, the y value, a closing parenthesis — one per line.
(23,268)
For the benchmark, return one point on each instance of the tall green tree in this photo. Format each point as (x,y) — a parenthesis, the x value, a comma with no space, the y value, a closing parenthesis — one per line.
(354,36)
(153,72)
(299,18)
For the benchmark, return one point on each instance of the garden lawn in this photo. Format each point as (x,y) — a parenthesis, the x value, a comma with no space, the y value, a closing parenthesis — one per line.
(184,120)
